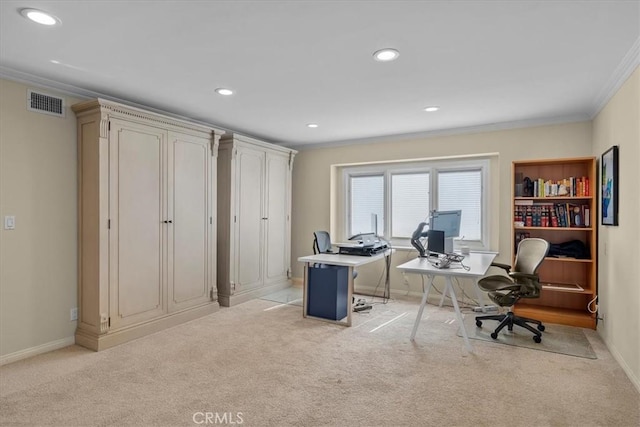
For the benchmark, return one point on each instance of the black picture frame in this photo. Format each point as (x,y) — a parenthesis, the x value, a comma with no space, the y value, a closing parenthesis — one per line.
(609,183)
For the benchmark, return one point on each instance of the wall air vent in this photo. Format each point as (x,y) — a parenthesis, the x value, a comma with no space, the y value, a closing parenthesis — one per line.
(46,104)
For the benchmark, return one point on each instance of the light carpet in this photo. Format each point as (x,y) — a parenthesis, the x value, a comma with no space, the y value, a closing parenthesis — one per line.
(263,363)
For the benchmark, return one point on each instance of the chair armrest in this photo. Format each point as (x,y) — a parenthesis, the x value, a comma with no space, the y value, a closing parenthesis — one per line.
(530,286)
(515,275)
(505,267)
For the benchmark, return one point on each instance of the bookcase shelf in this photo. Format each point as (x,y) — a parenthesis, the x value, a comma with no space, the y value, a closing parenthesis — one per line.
(552,259)
(560,198)
(568,307)
(563,316)
(555,228)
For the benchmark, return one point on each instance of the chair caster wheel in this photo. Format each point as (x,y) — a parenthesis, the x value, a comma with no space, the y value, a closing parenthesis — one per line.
(541,328)
(537,339)
(494,335)
(479,323)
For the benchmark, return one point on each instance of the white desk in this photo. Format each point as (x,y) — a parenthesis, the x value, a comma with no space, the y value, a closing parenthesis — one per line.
(478,264)
(350,261)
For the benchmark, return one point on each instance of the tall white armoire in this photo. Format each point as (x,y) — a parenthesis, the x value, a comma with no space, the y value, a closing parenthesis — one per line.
(147,225)
(254,218)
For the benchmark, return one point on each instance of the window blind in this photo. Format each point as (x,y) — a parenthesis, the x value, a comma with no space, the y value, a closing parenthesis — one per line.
(463,190)
(409,202)
(367,197)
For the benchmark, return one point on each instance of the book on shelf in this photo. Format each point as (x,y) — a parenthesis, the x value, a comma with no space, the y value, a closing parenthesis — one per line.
(587,215)
(567,187)
(576,216)
(548,215)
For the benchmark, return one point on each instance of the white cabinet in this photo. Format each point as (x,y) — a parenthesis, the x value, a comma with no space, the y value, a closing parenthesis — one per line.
(147,200)
(254,218)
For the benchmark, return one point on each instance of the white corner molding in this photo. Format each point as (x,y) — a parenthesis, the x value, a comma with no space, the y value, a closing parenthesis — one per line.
(489,127)
(85,94)
(628,64)
(34,351)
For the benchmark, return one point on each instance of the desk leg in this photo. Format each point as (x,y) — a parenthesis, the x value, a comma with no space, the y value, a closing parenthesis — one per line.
(350,296)
(444,294)
(305,289)
(421,309)
(449,285)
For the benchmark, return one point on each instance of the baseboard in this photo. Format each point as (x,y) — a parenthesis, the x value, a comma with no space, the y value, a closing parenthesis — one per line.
(623,364)
(99,342)
(34,351)
(231,300)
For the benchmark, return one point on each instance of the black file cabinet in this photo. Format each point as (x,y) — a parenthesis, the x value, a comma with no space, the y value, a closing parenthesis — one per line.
(328,292)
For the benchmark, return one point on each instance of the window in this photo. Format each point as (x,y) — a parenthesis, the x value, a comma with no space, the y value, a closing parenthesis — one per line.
(393,198)
(367,205)
(463,190)
(409,202)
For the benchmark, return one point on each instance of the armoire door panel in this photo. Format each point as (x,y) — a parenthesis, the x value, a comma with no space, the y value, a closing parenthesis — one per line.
(250,215)
(147,191)
(276,248)
(137,229)
(189,161)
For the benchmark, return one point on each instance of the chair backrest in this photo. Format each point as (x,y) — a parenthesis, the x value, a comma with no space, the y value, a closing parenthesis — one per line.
(321,242)
(531,253)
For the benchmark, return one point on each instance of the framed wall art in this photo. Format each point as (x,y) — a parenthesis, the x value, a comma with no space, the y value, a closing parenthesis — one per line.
(609,186)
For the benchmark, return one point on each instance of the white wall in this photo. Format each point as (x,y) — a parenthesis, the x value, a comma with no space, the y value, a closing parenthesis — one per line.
(38,260)
(618,247)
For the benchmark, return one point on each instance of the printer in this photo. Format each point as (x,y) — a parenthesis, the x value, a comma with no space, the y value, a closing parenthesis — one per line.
(368,245)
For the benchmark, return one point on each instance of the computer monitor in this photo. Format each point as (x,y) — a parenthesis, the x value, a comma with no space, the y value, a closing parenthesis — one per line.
(435,242)
(447,222)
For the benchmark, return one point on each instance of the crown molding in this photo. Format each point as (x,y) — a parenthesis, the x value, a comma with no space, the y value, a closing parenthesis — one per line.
(85,94)
(623,71)
(62,88)
(628,64)
(491,127)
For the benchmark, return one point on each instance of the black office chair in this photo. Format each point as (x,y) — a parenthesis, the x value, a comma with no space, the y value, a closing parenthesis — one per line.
(322,245)
(522,282)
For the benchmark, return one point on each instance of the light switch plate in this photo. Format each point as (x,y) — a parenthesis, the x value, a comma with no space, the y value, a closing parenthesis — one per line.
(9,222)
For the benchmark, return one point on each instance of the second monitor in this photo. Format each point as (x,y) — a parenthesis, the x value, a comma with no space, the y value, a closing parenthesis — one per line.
(447,222)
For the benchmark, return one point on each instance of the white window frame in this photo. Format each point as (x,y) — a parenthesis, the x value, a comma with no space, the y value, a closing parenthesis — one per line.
(431,166)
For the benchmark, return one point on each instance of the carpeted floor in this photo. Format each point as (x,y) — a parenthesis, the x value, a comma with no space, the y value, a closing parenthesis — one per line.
(261,364)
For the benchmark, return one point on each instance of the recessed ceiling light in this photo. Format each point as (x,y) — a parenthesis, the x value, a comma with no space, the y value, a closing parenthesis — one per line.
(431,109)
(385,55)
(40,17)
(223,91)
(312,125)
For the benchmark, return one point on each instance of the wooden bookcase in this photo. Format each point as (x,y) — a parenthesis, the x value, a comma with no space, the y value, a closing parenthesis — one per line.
(533,216)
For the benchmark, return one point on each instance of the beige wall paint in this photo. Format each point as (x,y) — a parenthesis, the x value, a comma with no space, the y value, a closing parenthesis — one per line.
(618,250)
(312,182)
(38,260)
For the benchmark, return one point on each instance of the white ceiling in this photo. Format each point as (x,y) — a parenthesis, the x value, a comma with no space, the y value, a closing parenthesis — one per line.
(292,63)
